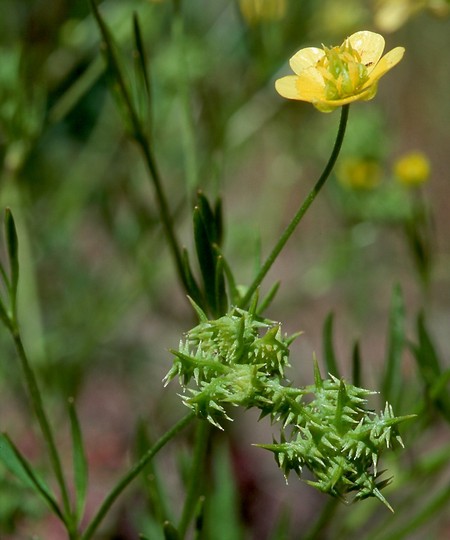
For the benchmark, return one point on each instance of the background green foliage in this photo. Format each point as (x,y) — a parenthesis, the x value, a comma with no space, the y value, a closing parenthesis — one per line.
(99,305)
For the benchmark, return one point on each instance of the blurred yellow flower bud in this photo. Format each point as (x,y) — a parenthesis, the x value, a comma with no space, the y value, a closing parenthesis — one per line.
(254,11)
(338,18)
(359,173)
(412,169)
(390,15)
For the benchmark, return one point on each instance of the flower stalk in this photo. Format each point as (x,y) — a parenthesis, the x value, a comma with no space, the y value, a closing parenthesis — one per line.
(301,211)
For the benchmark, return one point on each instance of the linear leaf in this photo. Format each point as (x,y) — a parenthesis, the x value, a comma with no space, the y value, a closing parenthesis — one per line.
(328,346)
(231,282)
(221,301)
(142,89)
(80,466)
(218,220)
(206,258)
(170,532)
(356,365)
(141,54)
(208,217)
(199,519)
(12,244)
(18,465)
(267,300)
(430,368)
(151,478)
(392,381)
(191,283)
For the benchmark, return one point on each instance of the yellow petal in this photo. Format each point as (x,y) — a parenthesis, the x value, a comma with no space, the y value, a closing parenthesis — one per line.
(287,87)
(305,58)
(365,95)
(308,86)
(388,61)
(369,45)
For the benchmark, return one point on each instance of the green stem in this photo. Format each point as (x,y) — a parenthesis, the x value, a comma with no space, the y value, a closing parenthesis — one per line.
(164,212)
(301,211)
(186,119)
(318,528)
(44,423)
(142,140)
(196,476)
(132,474)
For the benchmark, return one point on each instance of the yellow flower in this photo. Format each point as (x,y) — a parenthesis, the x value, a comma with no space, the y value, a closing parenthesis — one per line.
(331,77)
(412,169)
(254,11)
(359,173)
(390,15)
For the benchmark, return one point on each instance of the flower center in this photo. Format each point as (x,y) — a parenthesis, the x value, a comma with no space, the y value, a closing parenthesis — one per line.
(343,72)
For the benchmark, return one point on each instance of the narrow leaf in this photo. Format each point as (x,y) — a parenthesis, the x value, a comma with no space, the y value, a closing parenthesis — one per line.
(18,465)
(202,317)
(80,466)
(356,365)
(318,381)
(392,383)
(235,297)
(430,368)
(199,518)
(223,502)
(12,244)
(151,478)
(328,346)
(208,217)
(141,85)
(115,72)
(141,54)
(191,283)
(205,257)
(218,220)
(4,317)
(267,300)
(170,532)
(221,300)
(281,530)
(439,387)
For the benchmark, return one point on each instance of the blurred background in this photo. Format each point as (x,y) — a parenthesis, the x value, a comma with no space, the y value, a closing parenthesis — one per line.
(99,302)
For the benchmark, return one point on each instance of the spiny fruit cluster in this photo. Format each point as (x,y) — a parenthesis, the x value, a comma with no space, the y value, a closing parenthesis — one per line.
(240,358)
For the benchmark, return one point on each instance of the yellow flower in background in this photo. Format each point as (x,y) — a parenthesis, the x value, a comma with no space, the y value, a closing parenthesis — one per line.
(331,77)
(390,15)
(359,173)
(339,18)
(254,11)
(412,169)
